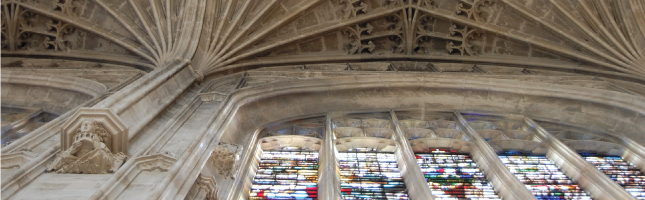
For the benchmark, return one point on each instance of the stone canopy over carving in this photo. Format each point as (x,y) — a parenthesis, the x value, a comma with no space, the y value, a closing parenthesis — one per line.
(89,153)
(113,132)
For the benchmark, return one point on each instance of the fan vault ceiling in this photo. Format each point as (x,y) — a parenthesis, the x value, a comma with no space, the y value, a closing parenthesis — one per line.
(600,37)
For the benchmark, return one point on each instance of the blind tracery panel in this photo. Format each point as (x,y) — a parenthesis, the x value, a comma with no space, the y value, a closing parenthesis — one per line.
(289,173)
(624,173)
(452,175)
(367,174)
(542,177)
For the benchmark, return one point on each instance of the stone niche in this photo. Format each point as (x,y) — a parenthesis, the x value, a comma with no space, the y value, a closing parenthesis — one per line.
(93,141)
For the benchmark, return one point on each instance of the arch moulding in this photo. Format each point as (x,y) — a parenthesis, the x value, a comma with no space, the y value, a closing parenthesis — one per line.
(245,110)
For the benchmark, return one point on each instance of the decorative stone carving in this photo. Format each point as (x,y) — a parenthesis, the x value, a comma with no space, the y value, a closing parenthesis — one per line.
(14,160)
(106,119)
(224,158)
(357,46)
(353,8)
(67,7)
(204,187)
(93,141)
(395,31)
(15,27)
(20,33)
(388,34)
(59,31)
(394,3)
(89,153)
(475,9)
(428,4)
(161,162)
(424,34)
(465,45)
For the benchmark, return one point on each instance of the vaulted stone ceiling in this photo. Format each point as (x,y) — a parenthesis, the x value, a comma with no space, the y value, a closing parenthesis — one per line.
(600,37)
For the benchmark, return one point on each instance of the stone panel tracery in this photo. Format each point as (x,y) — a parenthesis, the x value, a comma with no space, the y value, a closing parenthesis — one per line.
(271,29)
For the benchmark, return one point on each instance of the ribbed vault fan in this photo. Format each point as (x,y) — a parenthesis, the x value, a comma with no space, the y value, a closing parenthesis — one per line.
(606,37)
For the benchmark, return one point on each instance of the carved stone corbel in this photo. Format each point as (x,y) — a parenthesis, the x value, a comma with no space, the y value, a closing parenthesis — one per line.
(93,141)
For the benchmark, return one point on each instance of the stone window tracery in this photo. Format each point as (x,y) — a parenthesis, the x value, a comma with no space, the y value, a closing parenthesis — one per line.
(370,157)
(606,155)
(288,173)
(542,177)
(451,174)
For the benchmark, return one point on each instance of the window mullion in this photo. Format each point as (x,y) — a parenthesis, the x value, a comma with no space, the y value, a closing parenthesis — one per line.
(512,188)
(573,165)
(413,177)
(328,181)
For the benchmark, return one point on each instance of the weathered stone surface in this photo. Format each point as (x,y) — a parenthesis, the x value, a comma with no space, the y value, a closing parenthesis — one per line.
(176,79)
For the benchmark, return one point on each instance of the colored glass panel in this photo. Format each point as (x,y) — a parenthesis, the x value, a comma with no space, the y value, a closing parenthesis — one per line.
(286,174)
(624,173)
(542,177)
(453,175)
(366,174)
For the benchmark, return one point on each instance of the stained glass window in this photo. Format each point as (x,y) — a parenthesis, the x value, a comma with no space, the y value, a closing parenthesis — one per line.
(367,174)
(624,173)
(452,175)
(542,177)
(286,174)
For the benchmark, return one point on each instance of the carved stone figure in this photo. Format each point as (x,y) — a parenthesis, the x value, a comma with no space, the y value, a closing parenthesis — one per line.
(89,154)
